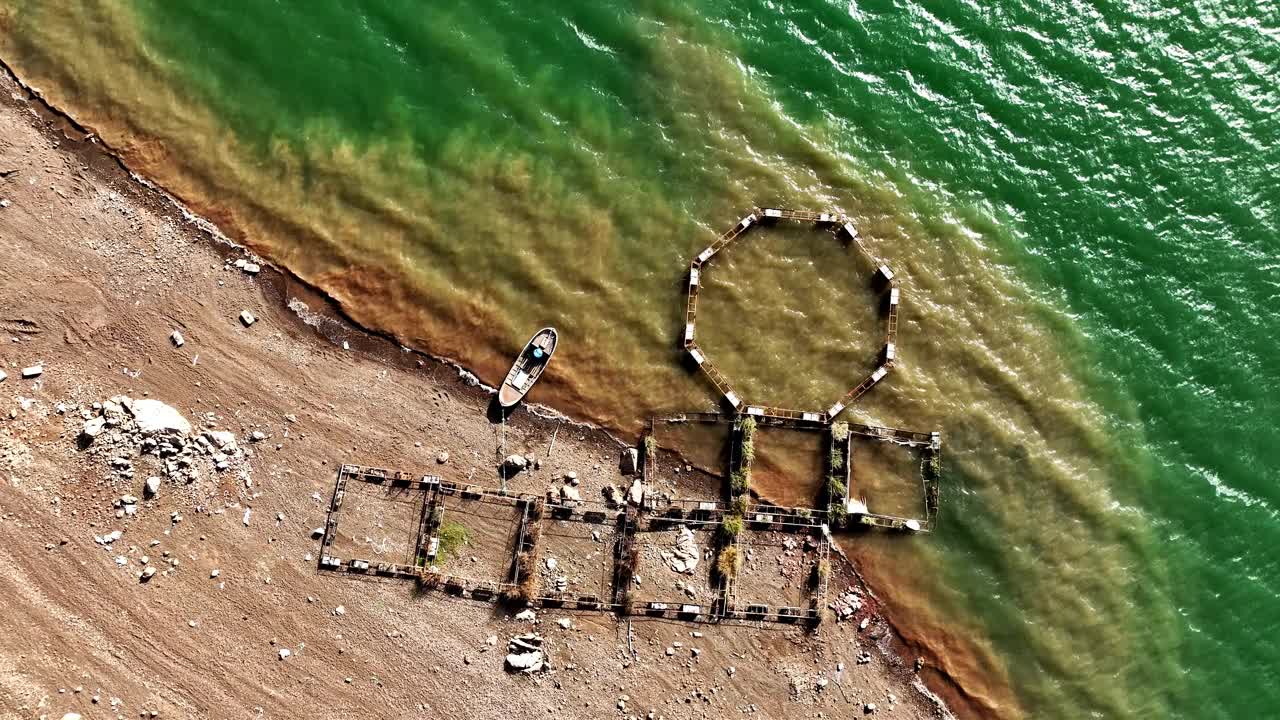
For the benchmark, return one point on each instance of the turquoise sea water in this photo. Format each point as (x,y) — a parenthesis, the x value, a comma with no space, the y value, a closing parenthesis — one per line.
(1080,202)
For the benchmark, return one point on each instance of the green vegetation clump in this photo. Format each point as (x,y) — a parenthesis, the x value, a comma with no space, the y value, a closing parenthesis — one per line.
(748,451)
(729,562)
(933,467)
(740,482)
(650,445)
(837,459)
(739,505)
(838,514)
(837,488)
(731,527)
(453,535)
(748,427)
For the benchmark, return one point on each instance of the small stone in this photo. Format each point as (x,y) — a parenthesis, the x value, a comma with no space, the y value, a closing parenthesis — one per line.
(247,318)
(442,457)
(252,268)
(566,623)
(34,371)
(215,573)
(285,653)
(317,532)
(340,611)
(152,487)
(247,514)
(526,615)
(491,641)
(257,436)
(178,340)
(148,573)
(869,708)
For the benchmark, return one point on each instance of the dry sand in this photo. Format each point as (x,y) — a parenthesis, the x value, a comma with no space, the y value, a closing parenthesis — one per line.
(96,271)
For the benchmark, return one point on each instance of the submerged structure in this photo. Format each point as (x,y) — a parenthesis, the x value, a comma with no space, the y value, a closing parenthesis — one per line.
(842,228)
(843,503)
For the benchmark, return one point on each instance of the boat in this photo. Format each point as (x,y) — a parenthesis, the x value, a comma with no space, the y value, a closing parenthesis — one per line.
(528,367)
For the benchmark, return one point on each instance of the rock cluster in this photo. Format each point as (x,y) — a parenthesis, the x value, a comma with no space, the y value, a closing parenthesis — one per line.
(123,428)
(847,605)
(525,654)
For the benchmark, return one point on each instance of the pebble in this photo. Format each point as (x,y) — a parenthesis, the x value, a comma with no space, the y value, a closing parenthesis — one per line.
(247,318)
(285,653)
(215,573)
(34,371)
(442,457)
(178,340)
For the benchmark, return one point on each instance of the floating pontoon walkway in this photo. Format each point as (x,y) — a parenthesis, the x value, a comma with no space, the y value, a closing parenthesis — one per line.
(841,227)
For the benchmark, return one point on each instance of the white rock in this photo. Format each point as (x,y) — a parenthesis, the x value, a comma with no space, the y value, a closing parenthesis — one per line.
(215,573)
(152,486)
(154,417)
(340,611)
(525,662)
(34,371)
(224,439)
(177,339)
(252,268)
(442,457)
(285,653)
(247,513)
(4,375)
(566,623)
(247,318)
(515,463)
(93,427)
(527,615)
(637,492)
(71,716)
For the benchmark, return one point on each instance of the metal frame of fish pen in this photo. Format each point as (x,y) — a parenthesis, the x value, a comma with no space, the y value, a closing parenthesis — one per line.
(841,226)
(629,521)
(434,490)
(585,513)
(930,442)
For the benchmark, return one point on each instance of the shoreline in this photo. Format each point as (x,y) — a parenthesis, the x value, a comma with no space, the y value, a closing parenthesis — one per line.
(384,345)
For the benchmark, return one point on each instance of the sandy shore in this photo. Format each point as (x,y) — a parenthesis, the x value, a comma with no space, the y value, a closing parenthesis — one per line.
(98,270)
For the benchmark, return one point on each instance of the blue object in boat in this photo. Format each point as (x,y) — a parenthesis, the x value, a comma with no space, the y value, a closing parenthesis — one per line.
(537,353)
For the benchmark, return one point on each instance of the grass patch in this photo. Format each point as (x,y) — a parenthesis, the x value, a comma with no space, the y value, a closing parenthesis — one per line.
(740,482)
(453,535)
(821,571)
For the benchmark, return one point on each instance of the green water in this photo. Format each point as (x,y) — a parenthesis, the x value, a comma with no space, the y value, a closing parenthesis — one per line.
(1079,201)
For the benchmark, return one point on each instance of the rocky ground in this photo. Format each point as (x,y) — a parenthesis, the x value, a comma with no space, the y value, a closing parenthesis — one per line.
(172,414)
